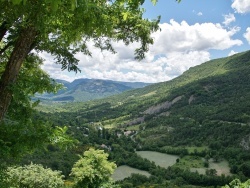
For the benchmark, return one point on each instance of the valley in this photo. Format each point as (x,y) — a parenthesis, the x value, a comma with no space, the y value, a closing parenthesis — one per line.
(192,131)
(124,94)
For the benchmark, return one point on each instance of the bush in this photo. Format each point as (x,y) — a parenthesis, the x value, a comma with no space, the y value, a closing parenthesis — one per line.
(33,176)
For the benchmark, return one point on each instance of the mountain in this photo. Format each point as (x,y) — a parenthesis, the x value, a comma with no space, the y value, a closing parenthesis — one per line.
(89,89)
(215,93)
(202,116)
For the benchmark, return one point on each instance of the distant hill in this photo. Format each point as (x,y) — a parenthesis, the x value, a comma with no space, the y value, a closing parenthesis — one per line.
(89,89)
(212,96)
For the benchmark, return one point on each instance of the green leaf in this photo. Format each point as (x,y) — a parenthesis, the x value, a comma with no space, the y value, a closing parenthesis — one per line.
(16,2)
(154,2)
(125,15)
(73,4)
(54,5)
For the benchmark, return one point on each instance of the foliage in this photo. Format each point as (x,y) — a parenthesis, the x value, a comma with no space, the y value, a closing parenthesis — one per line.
(238,184)
(53,27)
(215,124)
(60,138)
(20,133)
(93,169)
(57,28)
(31,80)
(18,139)
(33,176)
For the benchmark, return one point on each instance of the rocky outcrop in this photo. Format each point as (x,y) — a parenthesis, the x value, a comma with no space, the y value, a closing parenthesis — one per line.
(162,106)
(191,99)
(245,143)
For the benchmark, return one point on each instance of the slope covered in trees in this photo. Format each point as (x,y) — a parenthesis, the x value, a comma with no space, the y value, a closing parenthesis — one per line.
(207,108)
(88,89)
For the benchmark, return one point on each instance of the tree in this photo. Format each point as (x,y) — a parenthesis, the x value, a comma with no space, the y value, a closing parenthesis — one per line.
(211,172)
(93,169)
(20,133)
(32,79)
(238,184)
(64,28)
(32,176)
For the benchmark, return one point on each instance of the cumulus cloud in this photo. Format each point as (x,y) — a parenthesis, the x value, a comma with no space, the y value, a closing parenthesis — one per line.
(247,34)
(177,47)
(176,36)
(232,52)
(162,69)
(199,14)
(229,18)
(241,6)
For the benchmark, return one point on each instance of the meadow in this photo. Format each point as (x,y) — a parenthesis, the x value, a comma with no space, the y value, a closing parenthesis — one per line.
(125,171)
(161,159)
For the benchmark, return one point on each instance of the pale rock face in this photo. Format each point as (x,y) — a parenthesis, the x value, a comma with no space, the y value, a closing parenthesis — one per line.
(162,106)
(245,143)
(191,99)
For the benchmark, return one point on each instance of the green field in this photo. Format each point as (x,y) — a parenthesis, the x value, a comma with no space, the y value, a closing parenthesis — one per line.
(196,149)
(161,159)
(125,171)
(221,168)
(190,162)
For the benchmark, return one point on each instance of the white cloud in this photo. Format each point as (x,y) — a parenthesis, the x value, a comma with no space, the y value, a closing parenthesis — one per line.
(229,18)
(232,52)
(176,36)
(247,34)
(177,47)
(162,69)
(241,6)
(199,14)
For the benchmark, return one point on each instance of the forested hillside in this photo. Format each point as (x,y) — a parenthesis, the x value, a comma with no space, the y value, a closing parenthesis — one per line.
(88,89)
(202,117)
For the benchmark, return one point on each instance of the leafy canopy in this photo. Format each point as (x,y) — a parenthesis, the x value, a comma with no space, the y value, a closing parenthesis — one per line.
(20,133)
(93,169)
(238,184)
(32,176)
(65,28)
(61,28)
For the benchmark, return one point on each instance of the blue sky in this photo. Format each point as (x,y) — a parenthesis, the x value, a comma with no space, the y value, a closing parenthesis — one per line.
(192,32)
(204,11)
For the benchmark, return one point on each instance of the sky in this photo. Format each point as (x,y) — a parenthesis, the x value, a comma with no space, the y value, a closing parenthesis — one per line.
(192,32)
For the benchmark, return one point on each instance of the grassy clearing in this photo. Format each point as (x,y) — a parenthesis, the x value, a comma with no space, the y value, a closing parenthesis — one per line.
(190,162)
(221,168)
(197,149)
(113,123)
(196,163)
(149,94)
(134,127)
(161,159)
(199,170)
(190,149)
(110,126)
(125,171)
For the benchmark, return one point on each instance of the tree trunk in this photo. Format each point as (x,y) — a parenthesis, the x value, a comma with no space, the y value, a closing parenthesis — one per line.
(3,30)
(21,49)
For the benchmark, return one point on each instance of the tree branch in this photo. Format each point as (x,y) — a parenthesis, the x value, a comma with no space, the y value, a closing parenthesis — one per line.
(6,47)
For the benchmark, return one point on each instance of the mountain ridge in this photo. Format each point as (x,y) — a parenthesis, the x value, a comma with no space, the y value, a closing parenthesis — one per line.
(89,89)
